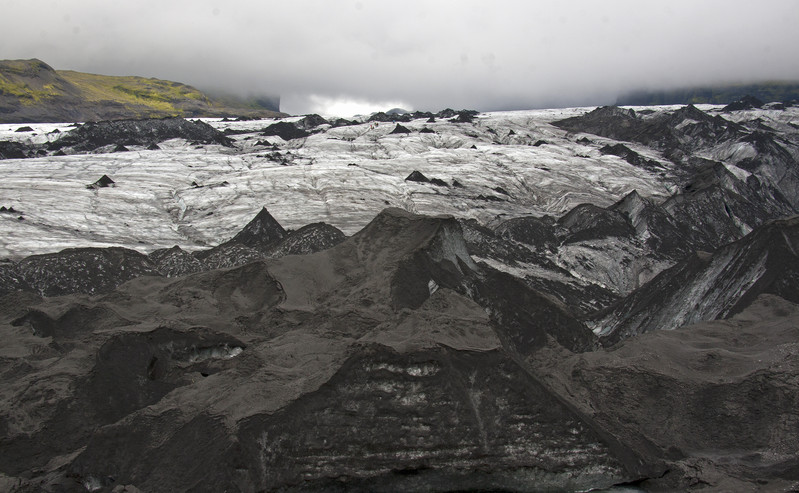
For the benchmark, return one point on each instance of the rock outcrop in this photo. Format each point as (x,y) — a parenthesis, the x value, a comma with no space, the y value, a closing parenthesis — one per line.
(91,136)
(716,402)
(709,286)
(285,130)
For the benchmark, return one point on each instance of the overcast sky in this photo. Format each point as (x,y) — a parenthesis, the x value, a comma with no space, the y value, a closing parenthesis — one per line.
(332,56)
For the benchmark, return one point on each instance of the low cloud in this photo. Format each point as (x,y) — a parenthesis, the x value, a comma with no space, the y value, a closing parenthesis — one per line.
(320,55)
(344,105)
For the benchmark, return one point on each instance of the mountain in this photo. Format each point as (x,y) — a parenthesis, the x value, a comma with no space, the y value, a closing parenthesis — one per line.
(722,94)
(556,300)
(32,91)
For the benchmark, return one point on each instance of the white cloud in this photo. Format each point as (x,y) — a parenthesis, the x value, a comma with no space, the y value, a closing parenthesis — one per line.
(340,106)
(428,54)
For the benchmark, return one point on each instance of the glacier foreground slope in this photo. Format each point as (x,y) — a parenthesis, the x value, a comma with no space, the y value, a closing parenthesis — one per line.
(426,302)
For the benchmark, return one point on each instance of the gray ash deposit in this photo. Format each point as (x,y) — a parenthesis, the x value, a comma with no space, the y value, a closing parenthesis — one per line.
(611,310)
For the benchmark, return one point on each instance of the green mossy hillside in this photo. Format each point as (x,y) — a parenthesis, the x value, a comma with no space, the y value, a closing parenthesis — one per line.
(31,90)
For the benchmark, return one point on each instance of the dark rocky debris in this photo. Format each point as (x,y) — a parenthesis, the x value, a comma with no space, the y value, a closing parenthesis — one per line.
(441,372)
(403,437)
(13,150)
(419,115)
(342,122)
(662,132)
(489,198)
(11,280)
(587,221)
(720,384)
(309,122)
(392,117)
(99,270)
(464,116)
(745,103)
(102,182)
(383,117)
(120,133)
(285,130)
(631,156)
(399,129)
(309,239)
(686,132)
(174,262)
(83,270)
(230,131)
(259,234)
(418,177)
(431,353)
(708,286)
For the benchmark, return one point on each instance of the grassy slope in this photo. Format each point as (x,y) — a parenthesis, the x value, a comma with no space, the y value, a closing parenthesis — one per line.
(158,95)
(134,89)
(31,81)
(31,90)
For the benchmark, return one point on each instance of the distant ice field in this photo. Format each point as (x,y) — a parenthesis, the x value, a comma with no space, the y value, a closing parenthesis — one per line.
(508,164)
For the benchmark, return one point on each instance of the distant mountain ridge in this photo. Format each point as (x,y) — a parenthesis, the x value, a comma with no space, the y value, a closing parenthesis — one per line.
(723,94)
(32,91)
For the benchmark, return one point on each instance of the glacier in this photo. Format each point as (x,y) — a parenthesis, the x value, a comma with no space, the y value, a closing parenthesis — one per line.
(343,176)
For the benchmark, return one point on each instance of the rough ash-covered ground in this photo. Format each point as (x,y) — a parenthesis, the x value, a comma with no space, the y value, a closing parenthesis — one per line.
(610,300)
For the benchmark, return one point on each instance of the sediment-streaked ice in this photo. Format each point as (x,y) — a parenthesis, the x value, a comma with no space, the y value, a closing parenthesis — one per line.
(196,196)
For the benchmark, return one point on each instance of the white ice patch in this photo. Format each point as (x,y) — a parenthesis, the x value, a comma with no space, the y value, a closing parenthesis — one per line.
(685,123)
(217,352)
(181,205)
(194,354)
(523,269)
(432,286)
(739,173)
(92,484)
(418,370)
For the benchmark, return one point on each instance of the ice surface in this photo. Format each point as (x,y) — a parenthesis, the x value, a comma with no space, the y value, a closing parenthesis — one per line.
(195,196)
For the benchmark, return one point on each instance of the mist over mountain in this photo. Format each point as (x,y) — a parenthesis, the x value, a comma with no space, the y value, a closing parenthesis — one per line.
(356,57)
